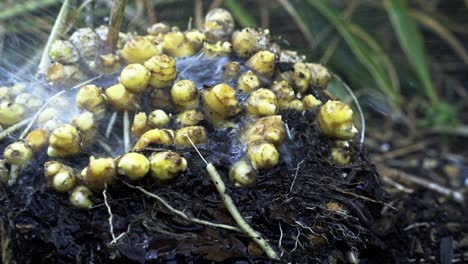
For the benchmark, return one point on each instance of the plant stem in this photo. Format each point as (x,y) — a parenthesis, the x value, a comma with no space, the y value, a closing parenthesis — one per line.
(110,125)
(126,129)
(115,23)
(59,27)
(231,207)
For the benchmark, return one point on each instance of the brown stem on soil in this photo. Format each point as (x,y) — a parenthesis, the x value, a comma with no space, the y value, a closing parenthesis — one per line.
(115,23)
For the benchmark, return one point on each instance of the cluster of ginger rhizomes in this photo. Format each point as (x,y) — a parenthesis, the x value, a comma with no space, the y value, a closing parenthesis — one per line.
(260,81)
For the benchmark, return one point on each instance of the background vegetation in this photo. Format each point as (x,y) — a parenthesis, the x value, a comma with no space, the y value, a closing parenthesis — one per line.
(406,59)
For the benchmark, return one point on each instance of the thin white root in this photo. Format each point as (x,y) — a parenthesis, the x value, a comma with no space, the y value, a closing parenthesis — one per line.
(14,174)
(126,129)
(182,214)
(295,175)
(110,125)
(231,207)
(14,127)
(111,217)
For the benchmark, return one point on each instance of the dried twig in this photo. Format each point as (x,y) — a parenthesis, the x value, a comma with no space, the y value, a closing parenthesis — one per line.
(400,152)
(180,213)
(231,207)
(398,175)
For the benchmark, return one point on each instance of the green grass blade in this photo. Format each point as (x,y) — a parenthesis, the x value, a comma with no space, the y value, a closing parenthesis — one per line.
(411,42)
(363,53)
(372,43)
(241,15)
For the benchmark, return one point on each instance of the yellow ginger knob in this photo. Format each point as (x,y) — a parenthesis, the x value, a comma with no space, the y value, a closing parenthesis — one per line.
(263,155)
(158,119)
(133,165)
(248,82)
(242,174)
(284,92)
(11,113)
(139,49)
(262,102)
(155,136)
(139,124)
(221,100)
(120,98)
(64,141)
(262,62)
(270,129)
(18,153)
(91,98)
(190,117)
(184,95)
(80,197)
(335,120)
(99,172)
(135,77)
(197,134)
(166,165)
(163,70)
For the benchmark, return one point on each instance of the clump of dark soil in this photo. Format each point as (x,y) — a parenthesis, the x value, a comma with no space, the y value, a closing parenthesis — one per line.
(309,210)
